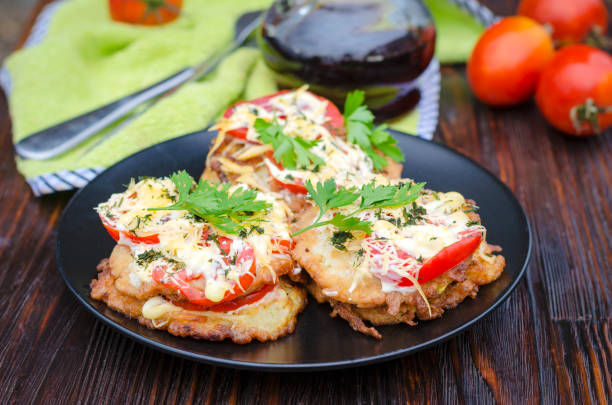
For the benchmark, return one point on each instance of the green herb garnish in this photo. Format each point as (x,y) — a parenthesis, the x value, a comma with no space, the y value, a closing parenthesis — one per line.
(360,130)
(292,152)
(328,196)
(414,214)
(339,239)
(215,204)
(148,257)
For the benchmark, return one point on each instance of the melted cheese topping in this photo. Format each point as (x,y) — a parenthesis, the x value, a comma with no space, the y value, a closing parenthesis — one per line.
(302,114)
(403,238)
(180,234)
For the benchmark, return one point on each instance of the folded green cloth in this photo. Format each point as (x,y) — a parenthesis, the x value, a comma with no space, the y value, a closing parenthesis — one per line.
(87,60)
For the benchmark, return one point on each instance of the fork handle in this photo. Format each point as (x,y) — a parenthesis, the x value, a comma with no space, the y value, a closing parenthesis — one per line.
(59,138)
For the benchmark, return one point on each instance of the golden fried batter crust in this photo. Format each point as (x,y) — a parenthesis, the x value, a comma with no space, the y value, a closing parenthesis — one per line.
(272,317)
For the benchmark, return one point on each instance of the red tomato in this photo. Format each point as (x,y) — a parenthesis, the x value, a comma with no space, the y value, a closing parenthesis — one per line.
(575,91)
(145,12)
(225,244)
(443,261)
(334,124)
(229,305)
(297,187)
(507,60)
(180,280)
(446,259)
(571,20)
(282,245)
(116,234)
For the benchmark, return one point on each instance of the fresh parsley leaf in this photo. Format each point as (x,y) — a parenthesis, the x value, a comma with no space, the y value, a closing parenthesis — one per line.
(328,196)
(183,182)
(216,204)
(291,152)
(360,130)
(373,196)
(350,223)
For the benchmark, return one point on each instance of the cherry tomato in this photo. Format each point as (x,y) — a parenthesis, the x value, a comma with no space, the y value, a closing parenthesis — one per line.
(571,20)
(179,280)
(334,124)
(116,234)
(507,60)
(229,305)
(575,91)
(145,12)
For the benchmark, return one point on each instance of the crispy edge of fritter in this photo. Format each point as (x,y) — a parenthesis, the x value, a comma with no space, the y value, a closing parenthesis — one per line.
(271,318)
(459,283)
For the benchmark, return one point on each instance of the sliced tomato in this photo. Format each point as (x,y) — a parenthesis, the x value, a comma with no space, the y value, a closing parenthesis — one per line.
(297,187)
(116,234)
(335,123)
(282,245)
(446,259)
(240,133)
(229,305)
(224,243)
(179,280)
(443,261)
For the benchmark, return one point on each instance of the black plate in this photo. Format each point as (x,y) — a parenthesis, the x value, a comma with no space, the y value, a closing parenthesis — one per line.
(319,342)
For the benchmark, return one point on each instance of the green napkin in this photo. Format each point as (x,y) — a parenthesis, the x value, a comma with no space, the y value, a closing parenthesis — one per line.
(87,60)
(456,31)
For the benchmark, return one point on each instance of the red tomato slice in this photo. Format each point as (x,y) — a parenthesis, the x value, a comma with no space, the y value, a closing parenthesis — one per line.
(229,305)
(297,187)
(335,124)
(224,243)
(443,261)
(446,259)
(180,280)
(116,234)
(282,245)
(240,133)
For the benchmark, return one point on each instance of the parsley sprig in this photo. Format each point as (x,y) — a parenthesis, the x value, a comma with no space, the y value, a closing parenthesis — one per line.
(360,130)
(328,196)
(215,203)
(292,152)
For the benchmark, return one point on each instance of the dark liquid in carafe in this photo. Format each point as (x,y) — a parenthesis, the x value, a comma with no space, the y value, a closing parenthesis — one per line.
(380,46)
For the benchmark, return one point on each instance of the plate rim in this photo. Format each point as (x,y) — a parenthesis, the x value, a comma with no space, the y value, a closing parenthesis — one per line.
(297,367)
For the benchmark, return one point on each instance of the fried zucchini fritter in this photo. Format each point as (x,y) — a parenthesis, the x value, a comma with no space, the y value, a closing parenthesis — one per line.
(274,316)
(363,284)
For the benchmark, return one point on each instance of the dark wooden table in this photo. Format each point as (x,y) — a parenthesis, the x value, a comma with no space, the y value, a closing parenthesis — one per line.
(550,342)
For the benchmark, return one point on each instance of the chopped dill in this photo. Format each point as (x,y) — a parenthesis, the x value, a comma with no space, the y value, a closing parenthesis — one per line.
(339,239)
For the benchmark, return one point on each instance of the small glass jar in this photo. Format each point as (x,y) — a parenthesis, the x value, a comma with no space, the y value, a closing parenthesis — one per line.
(336,46)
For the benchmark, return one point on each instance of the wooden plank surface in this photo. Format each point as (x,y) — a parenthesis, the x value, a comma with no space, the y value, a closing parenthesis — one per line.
(550,342)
